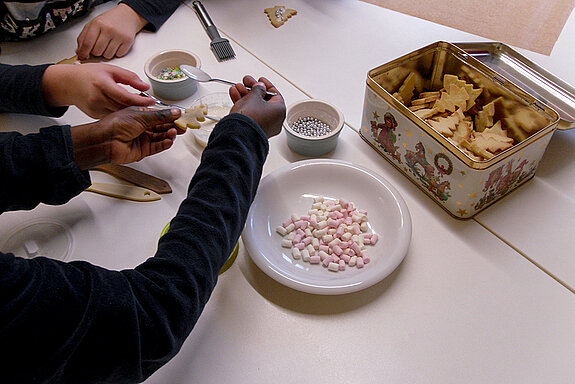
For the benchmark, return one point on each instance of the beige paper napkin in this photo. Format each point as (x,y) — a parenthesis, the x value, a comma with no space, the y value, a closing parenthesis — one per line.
(529,24)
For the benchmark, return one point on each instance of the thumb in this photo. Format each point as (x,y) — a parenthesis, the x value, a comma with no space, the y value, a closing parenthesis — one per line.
(162,116)
(259,88)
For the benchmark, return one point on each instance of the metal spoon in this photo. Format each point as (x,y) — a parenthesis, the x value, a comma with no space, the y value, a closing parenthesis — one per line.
(201,76)
(160,102)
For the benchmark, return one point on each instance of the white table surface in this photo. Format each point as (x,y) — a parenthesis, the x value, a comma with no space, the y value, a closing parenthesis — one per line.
(326,51)
(464,306)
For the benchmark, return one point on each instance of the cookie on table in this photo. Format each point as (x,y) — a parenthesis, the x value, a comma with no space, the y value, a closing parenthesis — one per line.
(279,14)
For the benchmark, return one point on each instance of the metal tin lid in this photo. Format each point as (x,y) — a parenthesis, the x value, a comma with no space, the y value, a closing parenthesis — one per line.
(538,82)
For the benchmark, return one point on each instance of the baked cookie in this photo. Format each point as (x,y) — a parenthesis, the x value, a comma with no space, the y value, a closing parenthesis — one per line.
(279,14)
(192,117)
(74,60)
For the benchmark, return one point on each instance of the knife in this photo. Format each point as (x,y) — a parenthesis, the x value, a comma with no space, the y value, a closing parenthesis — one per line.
(135,177)
(124,191)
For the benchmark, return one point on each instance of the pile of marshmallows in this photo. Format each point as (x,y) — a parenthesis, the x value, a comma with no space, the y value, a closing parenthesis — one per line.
(333,233)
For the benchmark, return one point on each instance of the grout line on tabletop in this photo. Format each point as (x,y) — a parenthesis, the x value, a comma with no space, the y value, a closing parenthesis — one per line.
(253,55)
(268,66)
(352,128)
(564,284)
(531,260)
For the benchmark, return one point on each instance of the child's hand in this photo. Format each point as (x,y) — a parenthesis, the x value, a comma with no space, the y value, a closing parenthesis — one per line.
(269,113)
(93,88)
(110,34)
(124,137)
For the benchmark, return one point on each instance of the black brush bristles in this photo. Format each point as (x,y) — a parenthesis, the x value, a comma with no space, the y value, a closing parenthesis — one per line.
(223,49)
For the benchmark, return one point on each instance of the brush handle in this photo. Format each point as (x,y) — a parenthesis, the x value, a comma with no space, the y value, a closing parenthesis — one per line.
(206,20)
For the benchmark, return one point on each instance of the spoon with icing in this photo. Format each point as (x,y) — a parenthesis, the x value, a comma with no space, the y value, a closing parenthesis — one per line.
(201,76)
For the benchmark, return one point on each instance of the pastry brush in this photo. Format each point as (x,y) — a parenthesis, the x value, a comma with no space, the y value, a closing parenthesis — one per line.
(221,47)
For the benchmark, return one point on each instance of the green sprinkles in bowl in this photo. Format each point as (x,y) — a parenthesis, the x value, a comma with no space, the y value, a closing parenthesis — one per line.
(171,73)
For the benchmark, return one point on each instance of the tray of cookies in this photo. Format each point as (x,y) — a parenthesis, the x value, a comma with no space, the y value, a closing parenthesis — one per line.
(464,133)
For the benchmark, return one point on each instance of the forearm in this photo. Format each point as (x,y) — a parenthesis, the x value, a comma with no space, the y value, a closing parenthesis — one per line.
(154,12)
(58,85)
(38,168)
(132,322)
(206,227)
(92,145)
(22,90)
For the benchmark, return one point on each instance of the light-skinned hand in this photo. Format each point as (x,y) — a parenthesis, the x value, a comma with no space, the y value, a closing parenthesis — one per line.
(93,87)
(110,34)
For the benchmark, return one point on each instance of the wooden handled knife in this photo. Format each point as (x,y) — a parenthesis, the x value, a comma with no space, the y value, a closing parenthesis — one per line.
(124,191)
(135,177)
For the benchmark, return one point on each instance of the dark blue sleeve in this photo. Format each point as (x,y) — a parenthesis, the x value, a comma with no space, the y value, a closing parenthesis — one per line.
(38,168)
(154,11)
(78,323)
(21,90)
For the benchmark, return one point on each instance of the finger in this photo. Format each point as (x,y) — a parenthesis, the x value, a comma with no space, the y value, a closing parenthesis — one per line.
(112,49)
(124,48)
(167,127)
(160,116)
(179,131)
(235,94)
(268,84)
(169,133)
(259,88)
(101,44)
(86,41)
(270,87)
(121,97)
(243,90)
(127,77)
(141,101)
(249,81)
(160,128)
(160,146)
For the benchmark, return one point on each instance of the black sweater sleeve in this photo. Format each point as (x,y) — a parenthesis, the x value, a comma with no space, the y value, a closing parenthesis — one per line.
(21,90)
(35,168)
(78,323)
(38,168)
(154,11)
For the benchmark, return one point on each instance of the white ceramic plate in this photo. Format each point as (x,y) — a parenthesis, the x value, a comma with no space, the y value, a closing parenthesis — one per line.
(291,189)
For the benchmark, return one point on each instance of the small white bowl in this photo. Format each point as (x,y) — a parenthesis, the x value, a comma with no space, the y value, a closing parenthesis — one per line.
(177,89)
(313,145)
(219,105)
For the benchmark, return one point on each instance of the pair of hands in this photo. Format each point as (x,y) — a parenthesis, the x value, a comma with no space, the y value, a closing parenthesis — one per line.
(130,134)
(126,135)
(94,88)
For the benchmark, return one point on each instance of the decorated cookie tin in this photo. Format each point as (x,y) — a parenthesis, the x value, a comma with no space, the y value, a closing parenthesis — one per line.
(466,134)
